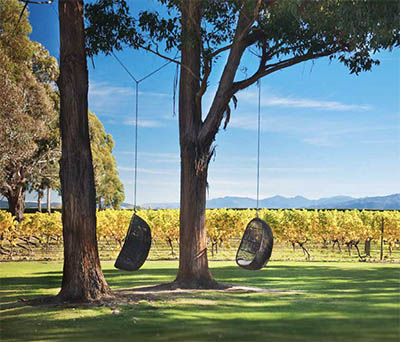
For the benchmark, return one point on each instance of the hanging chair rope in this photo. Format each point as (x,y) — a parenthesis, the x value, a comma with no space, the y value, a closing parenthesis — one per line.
(258,144)
(136,147)
(137,82)
(137,243)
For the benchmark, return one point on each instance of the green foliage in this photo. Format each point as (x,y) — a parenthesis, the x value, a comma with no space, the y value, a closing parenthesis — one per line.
(111,29)
(351,31)
(109,188)
(14,41)
(28,106)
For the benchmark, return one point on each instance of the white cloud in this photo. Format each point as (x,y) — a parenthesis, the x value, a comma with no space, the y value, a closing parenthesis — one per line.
(307,103)
(102,89)
(105,89)
(144,123)
(169,156)
(278,101)
(148,171)
(320,141)
(150,93)
(272,123)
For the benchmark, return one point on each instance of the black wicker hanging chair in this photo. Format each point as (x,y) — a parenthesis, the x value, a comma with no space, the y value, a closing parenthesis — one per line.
(256,246)
(136,246)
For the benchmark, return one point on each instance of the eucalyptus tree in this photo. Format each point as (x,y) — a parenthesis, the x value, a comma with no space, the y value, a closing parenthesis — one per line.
(28,113)
(83,278)
(109,188)
(280,33)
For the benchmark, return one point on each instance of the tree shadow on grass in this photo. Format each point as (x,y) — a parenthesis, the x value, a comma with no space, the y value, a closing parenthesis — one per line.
(321,302)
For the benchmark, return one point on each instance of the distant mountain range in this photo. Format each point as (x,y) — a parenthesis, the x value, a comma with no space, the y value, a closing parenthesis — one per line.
(275,202)
(280,202)
(28,204)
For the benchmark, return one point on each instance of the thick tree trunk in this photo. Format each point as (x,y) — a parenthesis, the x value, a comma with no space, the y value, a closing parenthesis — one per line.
(193,263)
(82,275)
(196,136)
(16,203)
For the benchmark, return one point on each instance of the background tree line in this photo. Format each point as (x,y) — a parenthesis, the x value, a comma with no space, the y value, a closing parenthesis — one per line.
(29,115)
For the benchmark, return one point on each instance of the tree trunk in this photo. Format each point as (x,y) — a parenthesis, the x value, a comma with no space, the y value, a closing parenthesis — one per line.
(16,203)
(193,263)
(48,201)
(355,244)
(83,278)
(305,251)
(197,136)
(367,247)
(338,244)
(171,246)
(348,244)
(39,202)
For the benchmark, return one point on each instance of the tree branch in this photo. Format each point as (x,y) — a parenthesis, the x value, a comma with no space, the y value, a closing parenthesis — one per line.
(169,59)
(275,67)
(213,120)
(159,54)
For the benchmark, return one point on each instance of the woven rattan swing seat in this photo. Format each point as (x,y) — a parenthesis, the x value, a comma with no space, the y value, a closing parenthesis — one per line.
(256,246)
(136,246)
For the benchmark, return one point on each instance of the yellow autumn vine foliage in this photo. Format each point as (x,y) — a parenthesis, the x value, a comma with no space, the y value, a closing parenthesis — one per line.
(223,225)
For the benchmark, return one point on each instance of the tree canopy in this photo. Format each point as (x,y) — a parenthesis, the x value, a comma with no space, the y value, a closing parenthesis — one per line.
(109,188)
(28,107)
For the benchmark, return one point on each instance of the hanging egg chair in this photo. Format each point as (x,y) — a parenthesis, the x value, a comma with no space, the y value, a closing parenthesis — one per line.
(136,246)
(256,245)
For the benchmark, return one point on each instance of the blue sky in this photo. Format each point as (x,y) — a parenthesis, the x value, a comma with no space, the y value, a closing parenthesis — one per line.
(324,132)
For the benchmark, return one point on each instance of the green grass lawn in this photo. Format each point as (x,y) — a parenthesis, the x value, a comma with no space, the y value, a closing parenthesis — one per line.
(309,302)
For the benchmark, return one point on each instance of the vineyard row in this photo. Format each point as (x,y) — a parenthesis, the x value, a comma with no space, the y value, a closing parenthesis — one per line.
(301,228)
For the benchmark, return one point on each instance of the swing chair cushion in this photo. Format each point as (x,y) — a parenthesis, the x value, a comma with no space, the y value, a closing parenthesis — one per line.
(256,246)
(136,246)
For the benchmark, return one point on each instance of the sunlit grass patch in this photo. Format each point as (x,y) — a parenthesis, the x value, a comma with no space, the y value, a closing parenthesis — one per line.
(303,301)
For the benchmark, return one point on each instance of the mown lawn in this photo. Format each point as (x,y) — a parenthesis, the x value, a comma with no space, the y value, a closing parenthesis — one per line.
(309,301)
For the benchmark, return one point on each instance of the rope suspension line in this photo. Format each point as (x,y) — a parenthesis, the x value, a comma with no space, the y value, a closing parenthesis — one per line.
(257,241)
(258,144)
(136,145)
(137,82)
(138,238)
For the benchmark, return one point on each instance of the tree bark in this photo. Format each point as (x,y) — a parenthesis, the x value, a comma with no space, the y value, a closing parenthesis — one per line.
(83,278)
(196,137)
(48,201)
(193,263)
(39,202)
(367,247)
(16,202)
